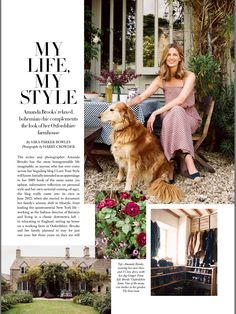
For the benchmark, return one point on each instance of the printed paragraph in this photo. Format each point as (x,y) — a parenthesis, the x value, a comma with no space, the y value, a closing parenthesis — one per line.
(48,196)
(130,277)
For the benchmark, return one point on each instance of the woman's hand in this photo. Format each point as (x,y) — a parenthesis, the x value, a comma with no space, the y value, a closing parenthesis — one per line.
(151,122)
(135,101)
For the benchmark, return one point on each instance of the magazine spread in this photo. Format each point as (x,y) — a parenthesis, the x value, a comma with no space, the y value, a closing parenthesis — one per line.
(117,163)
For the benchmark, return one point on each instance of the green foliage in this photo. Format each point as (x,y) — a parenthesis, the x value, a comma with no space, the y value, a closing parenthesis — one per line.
(34,277)
(5,286)
(92,37)
(76,299)
(148,51)
(51,307)
(223,118)
(54,277)
(121,225)
(100,302)
(94,279)
(105,306)
(10,299)
(87,298)
(5,305)
(75,273)
(207,71)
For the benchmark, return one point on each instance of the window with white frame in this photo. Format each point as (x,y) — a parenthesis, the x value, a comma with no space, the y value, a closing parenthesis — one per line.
(168,242)
(23,286)
(135,32)
(23,268)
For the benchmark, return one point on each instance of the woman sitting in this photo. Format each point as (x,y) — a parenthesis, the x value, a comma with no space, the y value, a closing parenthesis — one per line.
(180,118)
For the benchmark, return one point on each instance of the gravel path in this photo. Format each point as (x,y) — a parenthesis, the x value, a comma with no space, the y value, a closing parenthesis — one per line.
(215,188)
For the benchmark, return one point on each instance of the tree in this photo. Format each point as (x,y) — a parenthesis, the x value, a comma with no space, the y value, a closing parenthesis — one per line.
(5,286)
(33,276)
(94,279)
(54,277)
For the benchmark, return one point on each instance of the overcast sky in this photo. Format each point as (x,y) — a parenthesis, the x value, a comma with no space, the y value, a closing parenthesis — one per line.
(149,7)
(8,253)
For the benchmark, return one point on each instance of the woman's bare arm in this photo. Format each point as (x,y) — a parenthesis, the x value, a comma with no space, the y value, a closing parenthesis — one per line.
(178,101)
(152,88)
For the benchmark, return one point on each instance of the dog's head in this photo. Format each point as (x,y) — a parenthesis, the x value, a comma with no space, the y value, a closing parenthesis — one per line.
(119,115)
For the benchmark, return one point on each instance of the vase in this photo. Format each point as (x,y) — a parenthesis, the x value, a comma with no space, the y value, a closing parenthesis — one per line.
(116,90)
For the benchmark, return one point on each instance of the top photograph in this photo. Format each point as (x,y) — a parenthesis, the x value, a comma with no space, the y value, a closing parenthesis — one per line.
(159,100)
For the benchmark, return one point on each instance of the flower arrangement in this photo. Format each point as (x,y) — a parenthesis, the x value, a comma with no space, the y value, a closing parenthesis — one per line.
(118,78)
(121,225)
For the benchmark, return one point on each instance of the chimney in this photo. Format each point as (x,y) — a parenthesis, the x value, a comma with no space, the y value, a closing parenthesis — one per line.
(86,252)
(67,255)
(18,253)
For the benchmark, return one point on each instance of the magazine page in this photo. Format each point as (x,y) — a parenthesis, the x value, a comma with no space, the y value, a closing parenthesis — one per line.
(117,161)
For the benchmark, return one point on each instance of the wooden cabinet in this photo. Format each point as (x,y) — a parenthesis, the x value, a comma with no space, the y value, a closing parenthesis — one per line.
(164,276)
(197,277)
(202,276)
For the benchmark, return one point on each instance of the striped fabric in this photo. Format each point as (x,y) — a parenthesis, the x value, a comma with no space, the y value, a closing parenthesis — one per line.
(91,113)
(179,123)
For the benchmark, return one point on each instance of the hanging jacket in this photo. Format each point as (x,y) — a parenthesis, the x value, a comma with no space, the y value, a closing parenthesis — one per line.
(155,239)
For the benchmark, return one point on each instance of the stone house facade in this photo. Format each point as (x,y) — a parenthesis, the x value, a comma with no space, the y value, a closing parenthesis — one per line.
(22,263)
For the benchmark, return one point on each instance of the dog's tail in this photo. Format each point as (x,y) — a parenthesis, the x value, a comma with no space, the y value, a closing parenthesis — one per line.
(165,192)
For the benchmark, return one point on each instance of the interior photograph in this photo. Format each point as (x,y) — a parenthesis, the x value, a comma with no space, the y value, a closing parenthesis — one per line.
(184,252)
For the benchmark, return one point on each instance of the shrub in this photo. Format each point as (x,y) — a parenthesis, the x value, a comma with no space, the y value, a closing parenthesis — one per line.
(10,299)
(106,305)
(98,303)
(223,117)
(19,297)
(207,71)
(87,298)
(5,305)
(76,299)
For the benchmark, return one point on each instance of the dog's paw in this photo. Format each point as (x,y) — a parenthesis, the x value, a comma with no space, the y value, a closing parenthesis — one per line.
(128,188)
(120,179)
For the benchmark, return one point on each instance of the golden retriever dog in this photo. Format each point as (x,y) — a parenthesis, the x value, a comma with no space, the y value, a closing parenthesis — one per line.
(139,154)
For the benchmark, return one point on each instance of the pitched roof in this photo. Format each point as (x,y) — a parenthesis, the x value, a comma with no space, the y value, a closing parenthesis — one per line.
(5,277)
(39,260)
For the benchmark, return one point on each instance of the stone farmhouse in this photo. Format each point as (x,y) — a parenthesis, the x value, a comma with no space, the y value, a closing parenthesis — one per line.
(22,263)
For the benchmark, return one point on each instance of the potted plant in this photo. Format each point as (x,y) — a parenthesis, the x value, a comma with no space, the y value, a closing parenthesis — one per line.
(207,71)
(118,78)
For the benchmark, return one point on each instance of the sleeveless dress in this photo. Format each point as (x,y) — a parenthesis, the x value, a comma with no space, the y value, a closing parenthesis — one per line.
(179,123)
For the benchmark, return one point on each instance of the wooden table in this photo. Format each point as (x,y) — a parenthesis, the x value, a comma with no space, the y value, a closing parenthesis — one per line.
(90,135)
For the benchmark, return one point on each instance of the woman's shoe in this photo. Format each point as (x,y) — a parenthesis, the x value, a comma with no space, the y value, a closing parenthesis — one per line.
(196,177)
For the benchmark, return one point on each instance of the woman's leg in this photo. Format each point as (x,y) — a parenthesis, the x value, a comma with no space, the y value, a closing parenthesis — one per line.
(171,172)
(190,164)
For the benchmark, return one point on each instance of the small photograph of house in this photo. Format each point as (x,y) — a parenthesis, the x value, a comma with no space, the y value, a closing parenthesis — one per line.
(58,276)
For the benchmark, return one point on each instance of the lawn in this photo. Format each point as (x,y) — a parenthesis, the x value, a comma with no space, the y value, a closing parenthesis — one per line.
(49,307)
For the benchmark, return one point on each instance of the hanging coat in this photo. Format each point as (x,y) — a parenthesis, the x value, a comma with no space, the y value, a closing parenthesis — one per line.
(155,239)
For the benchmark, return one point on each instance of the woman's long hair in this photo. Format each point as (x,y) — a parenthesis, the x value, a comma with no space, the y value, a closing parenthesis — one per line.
(165,73)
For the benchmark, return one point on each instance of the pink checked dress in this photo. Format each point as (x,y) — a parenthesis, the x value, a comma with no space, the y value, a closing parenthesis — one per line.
(179,123)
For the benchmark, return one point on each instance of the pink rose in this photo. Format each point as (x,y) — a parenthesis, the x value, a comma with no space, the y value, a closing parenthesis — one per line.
(132,209)
(141,239)
(107,202)
(124,195)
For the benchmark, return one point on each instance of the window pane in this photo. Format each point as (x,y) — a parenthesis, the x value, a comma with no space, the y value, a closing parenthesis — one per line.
(105,34)
(130,33)
(25,285)
(148,32)
(163,27)
(178,23)
(117,48)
